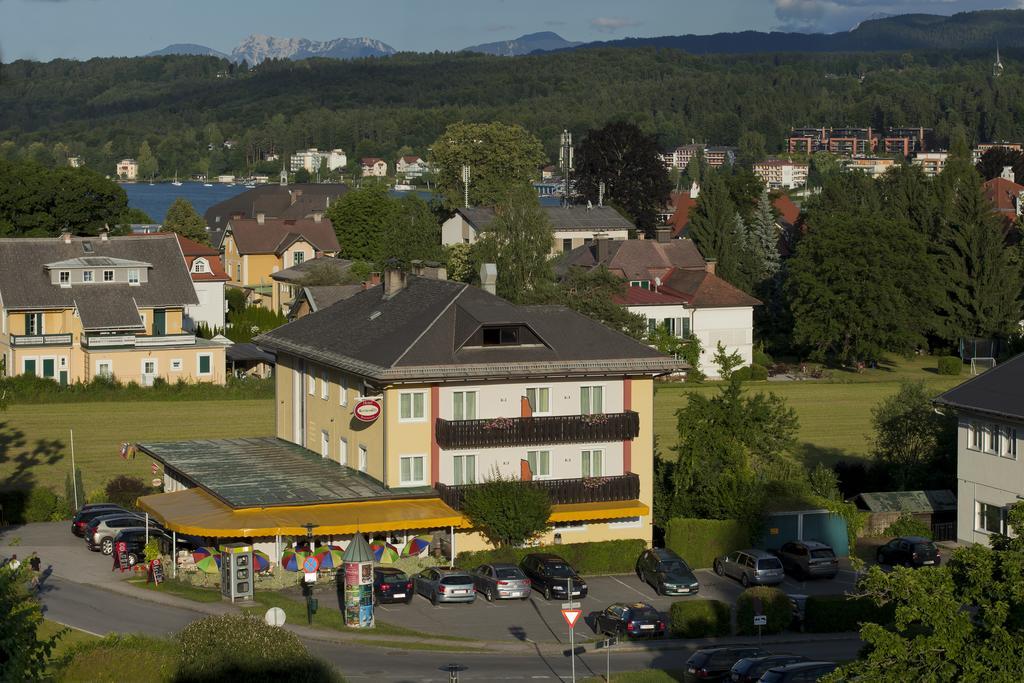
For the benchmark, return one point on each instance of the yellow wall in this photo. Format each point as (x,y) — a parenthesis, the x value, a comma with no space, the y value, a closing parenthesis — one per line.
(407,438)
(601,530)
(127,363)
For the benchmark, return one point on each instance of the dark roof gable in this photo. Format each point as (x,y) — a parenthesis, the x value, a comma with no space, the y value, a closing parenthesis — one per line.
(999,391)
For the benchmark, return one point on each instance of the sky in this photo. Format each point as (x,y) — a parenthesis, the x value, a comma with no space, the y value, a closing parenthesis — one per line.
(80,29)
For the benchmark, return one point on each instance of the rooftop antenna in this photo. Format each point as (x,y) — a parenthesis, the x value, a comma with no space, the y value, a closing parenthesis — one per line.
(465,185)
(565,160)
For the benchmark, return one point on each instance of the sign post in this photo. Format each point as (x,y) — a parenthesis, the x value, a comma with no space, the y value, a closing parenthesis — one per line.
(571,616)
(156,572)
(120,556)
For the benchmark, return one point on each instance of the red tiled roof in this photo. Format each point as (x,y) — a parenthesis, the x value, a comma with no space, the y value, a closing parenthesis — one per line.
(369,161)
(788,211)
(701,289)
(637,296)
(1003,194)
(681,217)
(192,250)
(275,234)
(411,160)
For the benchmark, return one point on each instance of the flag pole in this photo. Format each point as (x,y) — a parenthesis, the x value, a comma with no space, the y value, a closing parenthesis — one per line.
(74,473)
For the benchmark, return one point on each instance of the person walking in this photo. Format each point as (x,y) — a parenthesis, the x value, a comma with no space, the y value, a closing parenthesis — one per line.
(34,562)
(13,564)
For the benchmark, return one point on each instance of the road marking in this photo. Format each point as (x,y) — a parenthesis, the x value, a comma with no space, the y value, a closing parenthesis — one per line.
(631,587)
(83,630)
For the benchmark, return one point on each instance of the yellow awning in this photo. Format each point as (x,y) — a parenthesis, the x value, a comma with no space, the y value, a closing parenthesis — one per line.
(583,512)
(194,511)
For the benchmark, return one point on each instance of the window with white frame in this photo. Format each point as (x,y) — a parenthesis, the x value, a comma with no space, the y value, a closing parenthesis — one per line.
(65,277)
(108,276)
(992,442)
(204,363)
(539,462)
(411,471)
(592,400)
(87,275)
(464,467)
(592,463)
(974,436)
(325,388)
(325,443)
(411,406)
(133,276)
(991,518)
(199,266)
(540,400)
(464,405)
(311,381)
(104,368)
(343,393)
(34,324)
(343,451)
(364,457)
(176,365)
(1009,442)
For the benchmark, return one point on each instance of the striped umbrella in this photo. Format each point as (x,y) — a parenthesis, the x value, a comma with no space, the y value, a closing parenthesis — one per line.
(260,561)
(384,552)
(209,564)
(416,546)
(291,560)
(200,553)
(330,558)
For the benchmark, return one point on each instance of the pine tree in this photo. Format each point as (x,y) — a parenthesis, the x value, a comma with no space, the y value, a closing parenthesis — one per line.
(183,219)
(713,219)
(764,240)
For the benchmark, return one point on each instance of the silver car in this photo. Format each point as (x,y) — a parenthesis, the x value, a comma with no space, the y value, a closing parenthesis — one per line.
(100,532)
(751,567)
(438,584)
(501,582)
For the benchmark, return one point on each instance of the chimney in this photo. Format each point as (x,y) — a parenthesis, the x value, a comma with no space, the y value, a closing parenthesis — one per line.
(374,279)
(694,190)
(295,195)
(709,265)
(66,236)
(664,233)
(105,233)
(394,282)
(489,278)
(261,217)
(1007,174)
(603,242)
(318,216)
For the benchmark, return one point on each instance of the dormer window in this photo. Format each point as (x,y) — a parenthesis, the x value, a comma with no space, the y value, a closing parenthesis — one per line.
(65,277)
(501,336)
(133,276)
(642,284)
(199,266)
(108,276)
(88,275)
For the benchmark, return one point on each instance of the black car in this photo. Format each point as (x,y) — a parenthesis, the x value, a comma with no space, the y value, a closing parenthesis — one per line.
(135,538)
(750,669)
(714,663)
(551,575)
(808,559)
(666,572)
(632,620)
(909,551)
(89,513)
(802,672)
(392,585)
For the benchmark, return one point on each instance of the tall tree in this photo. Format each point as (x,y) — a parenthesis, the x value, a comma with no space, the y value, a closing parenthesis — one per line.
(147,161)
(414,232)
(763,236)
(751,148)
(914,445)
(994,160)
(360,218)
(518,241)
(626,160)
(183,219)
(713,229)
(498,155)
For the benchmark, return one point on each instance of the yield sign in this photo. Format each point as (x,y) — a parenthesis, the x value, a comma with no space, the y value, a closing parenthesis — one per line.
(571,616)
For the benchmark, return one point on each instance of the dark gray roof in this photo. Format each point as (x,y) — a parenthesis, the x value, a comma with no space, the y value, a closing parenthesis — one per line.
(248,352)
(266,472)
(560,217)
(420,333)
(25,282)
(999,391)
(940,500)
(296,273)
(101,309)
(290,201)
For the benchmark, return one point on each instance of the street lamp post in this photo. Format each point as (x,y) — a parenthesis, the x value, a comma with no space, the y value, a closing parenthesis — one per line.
(307,586)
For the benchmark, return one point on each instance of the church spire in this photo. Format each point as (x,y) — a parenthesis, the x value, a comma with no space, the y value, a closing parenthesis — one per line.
(997,66)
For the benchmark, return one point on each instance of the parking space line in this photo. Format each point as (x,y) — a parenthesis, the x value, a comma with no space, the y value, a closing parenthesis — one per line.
(635,590)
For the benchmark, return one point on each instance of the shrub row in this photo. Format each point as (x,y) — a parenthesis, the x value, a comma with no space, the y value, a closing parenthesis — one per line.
(601,557)
(835,613)
(699,619)
(908,525)
(950,365)
(756,373)
(31,389)
(775,605)
(700,541)
(35,505)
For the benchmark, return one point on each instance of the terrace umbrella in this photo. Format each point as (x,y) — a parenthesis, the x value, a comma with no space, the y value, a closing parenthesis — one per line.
(330,558)
(416,546)
(260,561)
(209,564)
(201,553)
(383,552)
(291,560)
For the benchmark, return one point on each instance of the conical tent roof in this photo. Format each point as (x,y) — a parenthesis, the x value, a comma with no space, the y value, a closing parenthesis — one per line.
(358,550)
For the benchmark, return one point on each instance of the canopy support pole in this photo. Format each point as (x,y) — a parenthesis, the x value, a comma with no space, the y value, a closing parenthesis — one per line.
(277,550)
(174,554)
(451,535)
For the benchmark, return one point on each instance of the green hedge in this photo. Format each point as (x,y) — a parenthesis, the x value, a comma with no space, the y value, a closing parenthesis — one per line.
(699,619)
(950,365)
(35,505)
(908,525)
(758,372)
(762,358)
(602,557)
(836,613)
(700,541)
(775,605)
(22,389)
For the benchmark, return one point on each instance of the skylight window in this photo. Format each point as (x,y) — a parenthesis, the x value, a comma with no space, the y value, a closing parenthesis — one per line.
(87,247)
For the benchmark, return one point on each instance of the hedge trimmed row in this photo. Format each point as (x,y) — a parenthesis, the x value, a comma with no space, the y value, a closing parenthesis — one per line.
(35,505)
(699,619)
(775,605)
(22,389)
(755,373)
(601,557)
(700,541)
(836,613)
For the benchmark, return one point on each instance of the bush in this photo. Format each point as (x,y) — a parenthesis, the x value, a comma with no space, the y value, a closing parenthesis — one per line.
(836,613)
(699,619)
(908,525)
(758,372)
(507,512)
(762,358)
(950,365)
(775,605)
(22,389)
(43,505)
(601,557)
(742,374)
(700,541)
(124,490)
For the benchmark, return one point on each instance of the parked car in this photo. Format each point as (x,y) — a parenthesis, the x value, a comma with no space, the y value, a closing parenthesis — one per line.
(551,575)
(631,620)
(391,585)
(751,567)
(135,539)
(714,663)
(750,669)
(909,551)
(801,672)
(99,534)
(808,560)
(501,582)
(666,572)
(84,516)
(438,584)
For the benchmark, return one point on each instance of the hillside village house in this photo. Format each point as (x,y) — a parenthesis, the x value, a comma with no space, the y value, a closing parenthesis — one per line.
(571,226)
(256,248)
(989,451)
(312,159)
(74,308)
(300,200)
(411,166)
(289,282)
(208,278)
(373,167)
(1006,196)
(393,403)
(671,285)
(127,169)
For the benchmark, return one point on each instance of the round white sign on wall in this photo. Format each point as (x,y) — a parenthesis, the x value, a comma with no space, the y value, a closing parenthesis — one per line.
(274,617)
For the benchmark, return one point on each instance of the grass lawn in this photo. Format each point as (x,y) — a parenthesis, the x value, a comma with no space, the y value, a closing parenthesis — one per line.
(71,637)
(835,414)
(180,589)
(34,441)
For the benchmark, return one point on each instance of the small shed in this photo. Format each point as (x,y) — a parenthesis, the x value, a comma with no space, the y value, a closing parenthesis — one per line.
(805,525)
(249,360)
(936,508)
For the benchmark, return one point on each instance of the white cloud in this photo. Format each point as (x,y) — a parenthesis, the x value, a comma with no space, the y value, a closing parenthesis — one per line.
(612,24)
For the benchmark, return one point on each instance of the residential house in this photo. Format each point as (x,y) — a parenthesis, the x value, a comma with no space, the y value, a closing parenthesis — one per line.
(75,162)
(394,403)
(249,360)
(931,163)
(980,149)
(313,298)
(1006,196)
(671,285)
(289,281)
(256,248)
(127,169)
(75,308)
(208,278)
(875,167)
(714,156)
(301,200)
(989,471)
(781,174)
(312,159)
(411,166)
(571,226)
(897,140)
(374,167)
(677,215)
(549,172)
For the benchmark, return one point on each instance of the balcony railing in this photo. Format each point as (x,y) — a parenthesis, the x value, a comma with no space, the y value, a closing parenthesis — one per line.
(41,340)
(131,340)
(537,431)
(562,491)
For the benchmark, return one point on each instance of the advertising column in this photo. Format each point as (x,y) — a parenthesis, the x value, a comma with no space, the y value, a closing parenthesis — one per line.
(358,562)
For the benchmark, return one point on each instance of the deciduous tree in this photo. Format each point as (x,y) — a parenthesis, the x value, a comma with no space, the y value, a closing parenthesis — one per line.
(147,162)
(913,444)
(360,218)
(23,656)
(507,512)
(518,241)
(183,219)
(592,293)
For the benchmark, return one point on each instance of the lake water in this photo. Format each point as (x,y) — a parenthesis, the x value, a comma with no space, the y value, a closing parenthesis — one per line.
(157,198)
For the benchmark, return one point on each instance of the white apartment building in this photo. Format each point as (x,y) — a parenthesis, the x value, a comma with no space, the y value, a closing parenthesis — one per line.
(127,169)
(931,163)
(780,174)
(311,159)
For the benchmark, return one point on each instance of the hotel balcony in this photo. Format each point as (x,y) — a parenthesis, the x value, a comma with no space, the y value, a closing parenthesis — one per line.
(625,487)
(537,431)
(136,341)
(41,340)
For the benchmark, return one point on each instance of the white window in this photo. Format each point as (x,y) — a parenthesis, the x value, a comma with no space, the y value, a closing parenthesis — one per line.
(465,469)
(34,324)
(325,388)
(204,363)
(625,523)
(591,400)
(593,463)
(991,518)
(65,277)
(410,406)
(363,457)
(1009,442)
(570,526)
(199,266)
(325,443)
(411,471)
(176,365)
(87,275)
(298,258)
(993,439)
(343,393)
(343,451)
(464,405)
(104,368)
(133,277)
(312,384)
(974,436)
(108,276)
(540,400)
(540,463)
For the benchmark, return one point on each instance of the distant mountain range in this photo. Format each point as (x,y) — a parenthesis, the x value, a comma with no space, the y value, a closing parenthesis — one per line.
(257,48)
(188,49)
(544,41)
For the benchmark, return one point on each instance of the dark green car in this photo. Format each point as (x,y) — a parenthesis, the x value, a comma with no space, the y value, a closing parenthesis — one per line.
(666,572)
